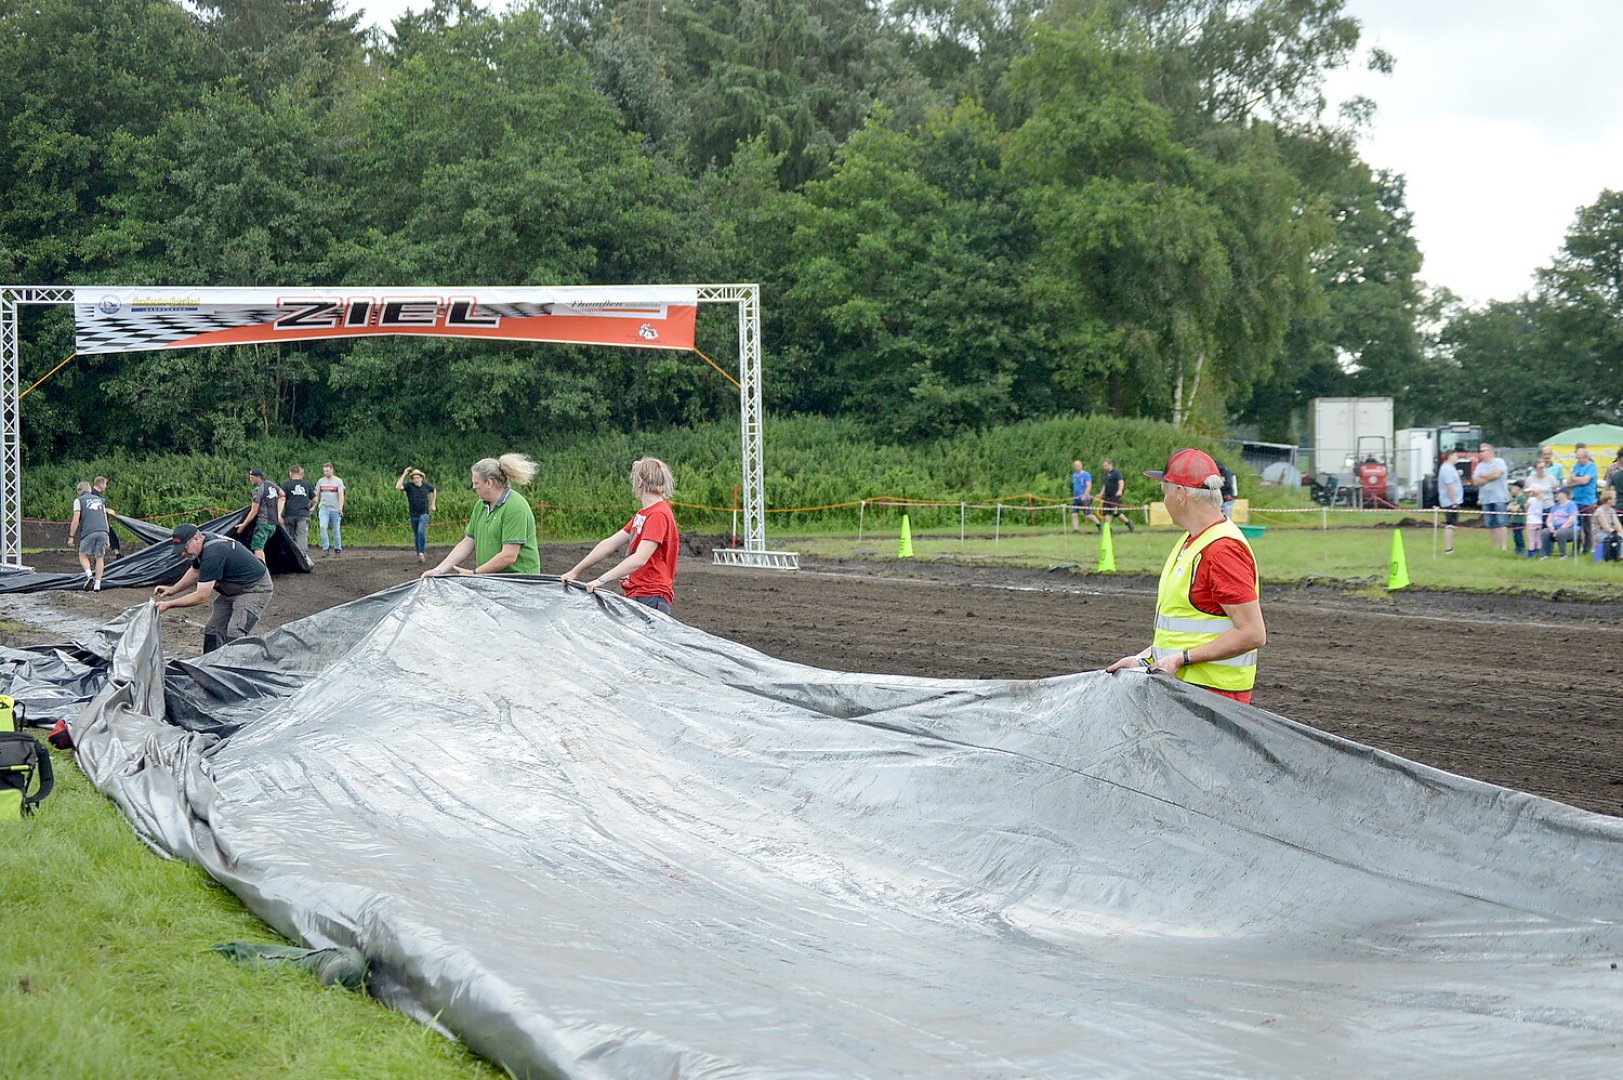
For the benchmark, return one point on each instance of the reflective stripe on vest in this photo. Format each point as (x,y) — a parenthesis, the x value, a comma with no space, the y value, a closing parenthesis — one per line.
(1180,625)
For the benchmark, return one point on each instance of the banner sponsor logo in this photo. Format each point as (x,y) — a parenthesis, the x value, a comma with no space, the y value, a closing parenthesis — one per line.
(113,320)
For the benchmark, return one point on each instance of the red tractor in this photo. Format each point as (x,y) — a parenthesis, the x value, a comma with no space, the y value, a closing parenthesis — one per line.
(1467,439)
(1372,485)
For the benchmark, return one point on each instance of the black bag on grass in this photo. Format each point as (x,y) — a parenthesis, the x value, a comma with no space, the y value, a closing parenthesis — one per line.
(22,761)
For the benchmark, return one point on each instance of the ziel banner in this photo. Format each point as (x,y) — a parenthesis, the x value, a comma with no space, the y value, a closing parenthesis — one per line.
(130,320)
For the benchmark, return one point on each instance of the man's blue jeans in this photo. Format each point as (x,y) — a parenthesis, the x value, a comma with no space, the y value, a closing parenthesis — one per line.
(419,529)
(332,522)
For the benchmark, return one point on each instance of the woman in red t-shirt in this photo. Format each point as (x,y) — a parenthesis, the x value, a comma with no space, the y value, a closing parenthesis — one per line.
(649,538)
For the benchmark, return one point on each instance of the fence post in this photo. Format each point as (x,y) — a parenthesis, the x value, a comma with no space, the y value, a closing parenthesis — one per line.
(862,518)
(997,529)
(960,522)
(1326,526)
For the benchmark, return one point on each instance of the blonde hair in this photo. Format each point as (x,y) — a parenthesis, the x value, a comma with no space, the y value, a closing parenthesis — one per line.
(510,469)
(653,476)
(84,486)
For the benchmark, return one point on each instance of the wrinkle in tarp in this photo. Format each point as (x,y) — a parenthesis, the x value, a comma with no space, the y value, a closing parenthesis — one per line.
(593,841)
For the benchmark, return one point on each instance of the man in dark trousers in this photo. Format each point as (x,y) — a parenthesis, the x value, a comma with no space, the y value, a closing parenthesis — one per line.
(1112,488)
(296,493)
(225,571)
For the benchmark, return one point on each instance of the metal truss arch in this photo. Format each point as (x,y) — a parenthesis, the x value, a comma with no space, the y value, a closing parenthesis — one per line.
(747,299)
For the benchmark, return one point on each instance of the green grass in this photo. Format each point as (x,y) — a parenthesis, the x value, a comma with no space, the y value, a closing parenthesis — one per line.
(107,970)
(1355,557)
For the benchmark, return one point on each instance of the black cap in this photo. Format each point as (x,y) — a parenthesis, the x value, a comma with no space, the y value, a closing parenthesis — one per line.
(257,472)
(183,533)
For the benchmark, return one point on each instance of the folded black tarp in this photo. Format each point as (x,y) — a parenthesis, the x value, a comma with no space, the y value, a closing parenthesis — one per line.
(159,563)
(593,841)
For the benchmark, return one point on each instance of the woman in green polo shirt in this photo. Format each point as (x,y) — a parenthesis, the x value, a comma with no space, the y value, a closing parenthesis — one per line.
(501,535)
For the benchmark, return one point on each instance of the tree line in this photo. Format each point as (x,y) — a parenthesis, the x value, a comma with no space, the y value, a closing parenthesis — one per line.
(962,213)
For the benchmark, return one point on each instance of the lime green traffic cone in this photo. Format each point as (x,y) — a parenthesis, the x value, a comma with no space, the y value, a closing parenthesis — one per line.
(1107,550)
(1400,565)
(904,550)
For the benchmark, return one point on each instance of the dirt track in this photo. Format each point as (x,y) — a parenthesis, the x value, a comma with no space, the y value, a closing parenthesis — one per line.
(1520,693)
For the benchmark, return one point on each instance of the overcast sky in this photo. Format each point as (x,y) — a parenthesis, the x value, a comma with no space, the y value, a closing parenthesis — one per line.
(1505,116)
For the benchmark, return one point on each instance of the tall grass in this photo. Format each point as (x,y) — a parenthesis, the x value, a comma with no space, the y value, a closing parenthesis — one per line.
(582,490)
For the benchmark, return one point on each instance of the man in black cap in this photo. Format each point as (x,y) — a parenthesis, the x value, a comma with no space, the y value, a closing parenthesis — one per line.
(264,515)
(229,573)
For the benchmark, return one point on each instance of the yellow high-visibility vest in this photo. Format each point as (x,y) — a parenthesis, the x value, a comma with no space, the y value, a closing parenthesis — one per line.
(1180,625)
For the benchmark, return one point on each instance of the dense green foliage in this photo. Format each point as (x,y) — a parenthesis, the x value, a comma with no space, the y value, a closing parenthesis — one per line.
(963,213)
(582,489)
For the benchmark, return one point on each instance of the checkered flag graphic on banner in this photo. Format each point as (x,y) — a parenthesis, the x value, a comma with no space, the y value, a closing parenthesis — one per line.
(135,330)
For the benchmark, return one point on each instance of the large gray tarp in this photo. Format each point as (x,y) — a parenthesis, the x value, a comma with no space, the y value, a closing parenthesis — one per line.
(593,841)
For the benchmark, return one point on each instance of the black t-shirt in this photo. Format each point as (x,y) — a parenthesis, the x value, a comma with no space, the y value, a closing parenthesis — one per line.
(417,498)
(1113,483)
(297,492)
(227,562)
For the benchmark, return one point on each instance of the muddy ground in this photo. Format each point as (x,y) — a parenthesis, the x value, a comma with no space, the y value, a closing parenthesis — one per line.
(1525,693)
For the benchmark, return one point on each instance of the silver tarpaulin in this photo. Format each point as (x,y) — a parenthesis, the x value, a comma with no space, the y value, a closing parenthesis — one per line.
(592,841)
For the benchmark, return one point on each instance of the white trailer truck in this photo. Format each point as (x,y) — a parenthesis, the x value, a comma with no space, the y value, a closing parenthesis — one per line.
(1344,431)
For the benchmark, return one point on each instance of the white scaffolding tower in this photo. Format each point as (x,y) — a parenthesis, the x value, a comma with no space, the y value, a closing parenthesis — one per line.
(747,298)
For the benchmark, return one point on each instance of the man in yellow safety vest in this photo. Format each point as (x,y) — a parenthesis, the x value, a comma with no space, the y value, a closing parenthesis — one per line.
(1208,612)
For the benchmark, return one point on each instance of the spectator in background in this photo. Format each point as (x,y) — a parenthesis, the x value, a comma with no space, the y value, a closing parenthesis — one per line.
(501,533)
(1112,489)
(1556,470)
(1450,493)
(1231,488)
(1561,523)
(1614,472)
(89,530)
(421,502)
(296,493)
(1582,483)
(1518,517)
(1493,492)
(1081,496)
(1539,482)
(1608,530)
(330,509)
(1536,506)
